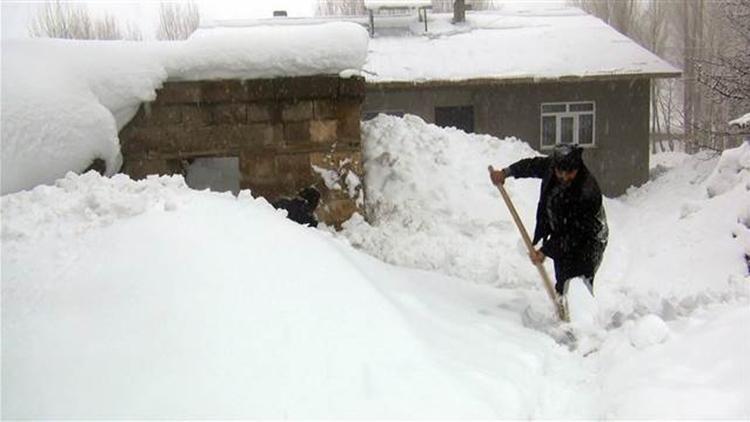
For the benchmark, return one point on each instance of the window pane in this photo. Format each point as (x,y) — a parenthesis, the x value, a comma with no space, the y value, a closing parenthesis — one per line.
(586,129)
(582,107)
(553,108)
(566,130)
(549,130)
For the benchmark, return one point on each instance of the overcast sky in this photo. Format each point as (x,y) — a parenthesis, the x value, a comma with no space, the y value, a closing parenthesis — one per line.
(16,14)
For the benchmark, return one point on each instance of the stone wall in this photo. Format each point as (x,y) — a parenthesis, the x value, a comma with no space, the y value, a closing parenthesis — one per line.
(285,131)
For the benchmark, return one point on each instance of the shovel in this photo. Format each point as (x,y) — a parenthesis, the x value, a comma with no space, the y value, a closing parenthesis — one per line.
(548,286)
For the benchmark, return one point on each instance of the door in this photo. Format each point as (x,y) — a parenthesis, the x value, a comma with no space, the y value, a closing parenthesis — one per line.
(460,117)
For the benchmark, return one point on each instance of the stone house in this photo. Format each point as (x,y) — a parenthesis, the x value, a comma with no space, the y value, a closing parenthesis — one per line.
(231,123)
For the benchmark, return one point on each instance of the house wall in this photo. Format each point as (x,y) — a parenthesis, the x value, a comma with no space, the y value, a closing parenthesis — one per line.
(620,157)
(278,128)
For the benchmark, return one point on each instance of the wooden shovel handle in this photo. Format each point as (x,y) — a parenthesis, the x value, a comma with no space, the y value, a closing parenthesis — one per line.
(548,286)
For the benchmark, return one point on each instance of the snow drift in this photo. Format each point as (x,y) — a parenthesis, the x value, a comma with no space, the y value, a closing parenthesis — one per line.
(147,299)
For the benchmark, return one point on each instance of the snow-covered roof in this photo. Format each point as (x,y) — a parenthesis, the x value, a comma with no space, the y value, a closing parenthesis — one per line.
(268,51)
(520,41)
(741,122)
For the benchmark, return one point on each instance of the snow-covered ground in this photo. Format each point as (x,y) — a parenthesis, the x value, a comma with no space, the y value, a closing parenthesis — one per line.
(148,299)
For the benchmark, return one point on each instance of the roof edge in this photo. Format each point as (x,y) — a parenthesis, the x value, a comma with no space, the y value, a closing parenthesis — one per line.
(439,83)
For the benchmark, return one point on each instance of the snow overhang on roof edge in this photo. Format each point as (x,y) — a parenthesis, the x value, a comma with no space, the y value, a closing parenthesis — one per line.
(519,80)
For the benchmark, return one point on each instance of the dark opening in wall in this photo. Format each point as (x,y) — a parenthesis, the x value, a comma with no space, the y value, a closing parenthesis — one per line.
(372,114)
(461,117)
(220,174)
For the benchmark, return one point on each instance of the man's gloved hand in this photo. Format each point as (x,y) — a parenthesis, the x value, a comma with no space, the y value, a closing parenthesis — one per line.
(537,257)
(497,176)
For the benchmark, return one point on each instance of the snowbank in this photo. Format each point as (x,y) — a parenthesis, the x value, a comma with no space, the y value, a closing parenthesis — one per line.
(64,101)
(431,204)
(146,300)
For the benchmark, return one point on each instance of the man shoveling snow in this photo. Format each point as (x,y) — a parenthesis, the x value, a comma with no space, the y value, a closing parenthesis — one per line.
(570,217)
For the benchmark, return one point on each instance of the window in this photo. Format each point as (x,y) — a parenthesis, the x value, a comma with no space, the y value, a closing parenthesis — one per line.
(568,123)
(460,117)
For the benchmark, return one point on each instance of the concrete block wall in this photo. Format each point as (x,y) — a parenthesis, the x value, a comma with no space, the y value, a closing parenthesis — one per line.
(279,128)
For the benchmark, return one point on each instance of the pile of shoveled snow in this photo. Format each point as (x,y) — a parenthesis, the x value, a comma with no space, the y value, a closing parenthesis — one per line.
(64,101)
(431,206)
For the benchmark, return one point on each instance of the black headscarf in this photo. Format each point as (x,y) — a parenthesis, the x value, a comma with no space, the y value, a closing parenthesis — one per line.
(567,157)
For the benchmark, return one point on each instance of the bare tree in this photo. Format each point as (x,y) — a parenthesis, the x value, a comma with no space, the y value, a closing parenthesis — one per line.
(341,8)
(459,11)
(107,29)
(73,21)
(653,36)
(177,20)
(62,20)
(724,69)
(715,39)
(620,14)
(132,32)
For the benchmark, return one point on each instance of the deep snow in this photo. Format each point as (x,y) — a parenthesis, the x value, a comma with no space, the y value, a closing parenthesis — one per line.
(148,299)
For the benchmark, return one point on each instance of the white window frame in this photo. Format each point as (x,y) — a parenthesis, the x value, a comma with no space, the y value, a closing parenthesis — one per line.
(559,115)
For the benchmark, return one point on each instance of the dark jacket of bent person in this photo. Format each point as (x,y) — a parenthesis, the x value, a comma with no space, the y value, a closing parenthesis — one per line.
(302,208)
(570,218)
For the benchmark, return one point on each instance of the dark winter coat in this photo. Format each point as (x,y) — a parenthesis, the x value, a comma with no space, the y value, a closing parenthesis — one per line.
(570,221)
